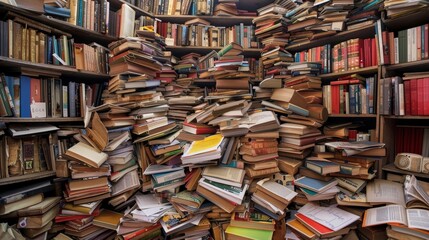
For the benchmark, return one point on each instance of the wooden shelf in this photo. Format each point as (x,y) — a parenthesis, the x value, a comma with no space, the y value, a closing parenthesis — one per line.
(80,34)
(392,168)
(139,12)
(214,20)
(50,119)
(353,115)
(182,50)
(27,177)
(364,32)
(334,76)
(406,117)
(16,65)
(416,66)
(407,21)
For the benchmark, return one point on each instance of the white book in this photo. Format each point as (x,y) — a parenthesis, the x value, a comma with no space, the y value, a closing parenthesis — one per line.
(401,100)
(396,44)
(128,15)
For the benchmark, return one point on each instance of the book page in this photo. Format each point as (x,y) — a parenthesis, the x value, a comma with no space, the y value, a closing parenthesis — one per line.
(384,191)
(330,217)
(418,218)
(383,215)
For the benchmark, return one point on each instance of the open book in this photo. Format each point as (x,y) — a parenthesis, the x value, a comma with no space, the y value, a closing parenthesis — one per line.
(413,218)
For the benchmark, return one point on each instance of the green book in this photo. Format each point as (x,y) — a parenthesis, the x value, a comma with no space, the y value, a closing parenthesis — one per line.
(250,233)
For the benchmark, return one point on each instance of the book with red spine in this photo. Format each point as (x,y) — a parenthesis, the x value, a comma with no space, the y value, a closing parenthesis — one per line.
(414,99)
(314,226)
(198,128)
(407,97)
(420,97)
(426,96)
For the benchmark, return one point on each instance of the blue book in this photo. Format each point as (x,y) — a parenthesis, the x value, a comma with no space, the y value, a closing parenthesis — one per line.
(72,96)
(322,167)
(57,11)
(25,96)
(352,99)
(314,184)
(79,13)
(49,50)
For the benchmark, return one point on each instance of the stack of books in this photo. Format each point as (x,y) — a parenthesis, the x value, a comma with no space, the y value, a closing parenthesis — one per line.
(272,198)
(397,9)
(165,177)
(271,23)
(223,186)
(232,71)
(275,61)
(315,189)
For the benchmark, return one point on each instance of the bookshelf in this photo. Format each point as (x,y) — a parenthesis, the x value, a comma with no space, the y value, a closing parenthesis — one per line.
(17,65)
(416,66)
(393,169)
(214,20)
(182,50)
(139,11)
(364,32)
(26,178)
(47,119)
(352,115)
(360,71)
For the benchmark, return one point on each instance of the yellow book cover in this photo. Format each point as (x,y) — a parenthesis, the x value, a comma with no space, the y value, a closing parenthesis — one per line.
(299,227)
(108,219)
(208,144)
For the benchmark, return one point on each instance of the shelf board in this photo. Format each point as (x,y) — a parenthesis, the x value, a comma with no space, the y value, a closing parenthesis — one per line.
(79,33)
(407,21)
(392,168)
(49,69)
(27,177)
(49,119)
(182,50)
(332,76)
(416,66)
(139,12)
(406,117)
(214,20)
(352,115)
(364,32)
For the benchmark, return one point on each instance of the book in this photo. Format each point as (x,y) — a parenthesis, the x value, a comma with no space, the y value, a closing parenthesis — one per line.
(108,219)
(247,233)
(252,220)
(322,167)
(86,154)
(411,218)
(39,221)
(314,184)
(21,204)
(188,198)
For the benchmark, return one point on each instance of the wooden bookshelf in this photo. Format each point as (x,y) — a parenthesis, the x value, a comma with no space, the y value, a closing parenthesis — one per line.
(364,32)
(393,169)
(139,12)
(49,70)
(26,177)
(352,115)
(407,117)
(81,35)
(362,71)
(48,119)
(407,21)
(416,66)
(214,20)
(182,50)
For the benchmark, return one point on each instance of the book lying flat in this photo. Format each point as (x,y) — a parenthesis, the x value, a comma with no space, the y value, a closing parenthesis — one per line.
(86,154)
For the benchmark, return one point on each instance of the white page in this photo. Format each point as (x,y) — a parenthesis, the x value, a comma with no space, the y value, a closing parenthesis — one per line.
(418,218)
(386,214)
(384,191)
(330,217)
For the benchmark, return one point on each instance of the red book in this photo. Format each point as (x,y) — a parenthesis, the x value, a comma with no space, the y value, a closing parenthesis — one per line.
(414,99)
(425,96)
(374,60)
(343,82)
(198,128)
(385,39)
(35,88)
(335,99)
(313,225)
(142,231)
(420,101)
(392,47)
(407,97)
(361,53)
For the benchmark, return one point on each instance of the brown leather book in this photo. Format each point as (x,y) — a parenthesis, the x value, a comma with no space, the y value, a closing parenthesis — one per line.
(39,221)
